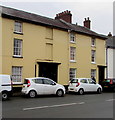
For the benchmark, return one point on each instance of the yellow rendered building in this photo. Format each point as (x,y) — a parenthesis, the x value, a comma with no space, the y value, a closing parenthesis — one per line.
(33,45)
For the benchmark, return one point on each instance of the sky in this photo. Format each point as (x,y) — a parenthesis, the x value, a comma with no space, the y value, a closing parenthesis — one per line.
(100,12)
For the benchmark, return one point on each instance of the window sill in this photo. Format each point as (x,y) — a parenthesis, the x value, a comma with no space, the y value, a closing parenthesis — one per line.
(93,62)
(72,42)
(72,61)
(49,38)
(17,56)
(18,33)
(93,46)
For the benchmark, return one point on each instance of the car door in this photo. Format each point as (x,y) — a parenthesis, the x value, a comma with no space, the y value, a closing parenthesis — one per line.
(92,85)
(49,86)
(38,85)
(84,84)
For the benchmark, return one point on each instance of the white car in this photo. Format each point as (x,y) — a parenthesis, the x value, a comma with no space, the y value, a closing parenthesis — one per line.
(42,86)
(81,85)
(5,86)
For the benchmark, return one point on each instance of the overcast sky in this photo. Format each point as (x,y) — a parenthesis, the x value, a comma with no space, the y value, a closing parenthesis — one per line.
(100,12)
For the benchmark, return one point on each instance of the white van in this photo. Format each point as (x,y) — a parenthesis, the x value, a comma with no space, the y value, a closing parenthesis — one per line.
(5,86)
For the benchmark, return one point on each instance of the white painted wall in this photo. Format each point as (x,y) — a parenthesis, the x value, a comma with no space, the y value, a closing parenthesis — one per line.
(110,60)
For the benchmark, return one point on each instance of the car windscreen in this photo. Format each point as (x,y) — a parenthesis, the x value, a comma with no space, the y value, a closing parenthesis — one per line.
(74,81)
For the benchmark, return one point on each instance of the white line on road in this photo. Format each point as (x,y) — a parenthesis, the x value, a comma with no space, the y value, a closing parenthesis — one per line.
(110,100)
(80,103)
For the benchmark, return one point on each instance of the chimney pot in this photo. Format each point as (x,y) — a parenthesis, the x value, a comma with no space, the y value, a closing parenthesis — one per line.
(87,22)
(110,35)
(66,16)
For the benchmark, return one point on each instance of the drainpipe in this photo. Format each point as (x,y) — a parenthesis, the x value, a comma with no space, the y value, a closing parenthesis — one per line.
(107,62)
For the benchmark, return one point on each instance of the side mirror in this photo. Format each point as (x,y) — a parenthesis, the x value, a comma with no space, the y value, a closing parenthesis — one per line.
(53,83)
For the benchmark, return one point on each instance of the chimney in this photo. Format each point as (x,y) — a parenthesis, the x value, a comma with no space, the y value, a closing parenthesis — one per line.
(66,16)
(87,23)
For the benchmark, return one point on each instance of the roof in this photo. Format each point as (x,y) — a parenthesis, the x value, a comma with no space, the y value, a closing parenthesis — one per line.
(110,42)
(45,21)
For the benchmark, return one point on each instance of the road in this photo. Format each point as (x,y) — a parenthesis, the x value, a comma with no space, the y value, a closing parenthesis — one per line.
(70,106)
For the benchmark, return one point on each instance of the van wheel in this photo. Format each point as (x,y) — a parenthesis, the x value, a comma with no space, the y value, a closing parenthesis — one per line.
(60,93)
(32,94)
(4,95)
(81,92)
(99,91)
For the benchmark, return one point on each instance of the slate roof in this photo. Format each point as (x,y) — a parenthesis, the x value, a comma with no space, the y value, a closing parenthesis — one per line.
(45,21)
(110,42)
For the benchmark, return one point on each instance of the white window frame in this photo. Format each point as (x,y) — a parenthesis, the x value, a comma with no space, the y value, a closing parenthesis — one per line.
(93,42)
(18,27)
(17,74)
(72,54)
(72,73)
(17,51)
(93,56)
(72,38)
(93,73)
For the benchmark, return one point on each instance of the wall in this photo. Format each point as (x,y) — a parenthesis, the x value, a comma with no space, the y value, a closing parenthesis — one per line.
(36,38)
(110,63)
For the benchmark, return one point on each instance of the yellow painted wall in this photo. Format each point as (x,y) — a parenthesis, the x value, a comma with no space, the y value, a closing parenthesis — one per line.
(61,54)
(35,41)
(0,45)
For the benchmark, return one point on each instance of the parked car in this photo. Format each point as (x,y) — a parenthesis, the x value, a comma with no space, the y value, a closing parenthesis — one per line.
(42,86)
(5,86)
(81,85)
(109,84)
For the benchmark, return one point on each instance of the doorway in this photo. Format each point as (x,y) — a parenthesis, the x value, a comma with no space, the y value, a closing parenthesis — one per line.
(101,73)
(49,70)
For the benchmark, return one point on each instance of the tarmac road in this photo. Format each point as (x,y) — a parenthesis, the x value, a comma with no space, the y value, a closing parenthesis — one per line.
(70,106)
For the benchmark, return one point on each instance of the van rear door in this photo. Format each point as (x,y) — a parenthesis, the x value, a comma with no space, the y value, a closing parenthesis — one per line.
(5,82)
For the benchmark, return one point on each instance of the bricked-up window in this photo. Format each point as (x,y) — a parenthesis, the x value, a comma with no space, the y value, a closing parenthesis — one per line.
(72,73)
(16,74)
(93,55)
(17,48)
(72,53)
(18,27)
(72,37)
(49,33)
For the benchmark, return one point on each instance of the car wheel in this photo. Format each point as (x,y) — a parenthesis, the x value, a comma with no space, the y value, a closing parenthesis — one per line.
(99,91)
(4,95)
(32,94)
(60,93)
(81,92)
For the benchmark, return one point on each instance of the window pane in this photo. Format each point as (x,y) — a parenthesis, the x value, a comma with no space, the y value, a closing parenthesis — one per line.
(93,73)
(18,27)
(72,53)
(93,41)
(18,47)
(46,81)
(72,73)
(93,55)
(16,74)
(72,37)
(39,81)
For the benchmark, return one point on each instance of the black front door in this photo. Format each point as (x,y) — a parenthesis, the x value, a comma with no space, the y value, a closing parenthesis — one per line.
(101,73)
(48,70)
